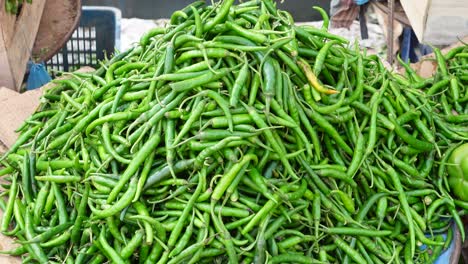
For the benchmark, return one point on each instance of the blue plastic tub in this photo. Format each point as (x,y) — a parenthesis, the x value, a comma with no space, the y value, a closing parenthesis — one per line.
(452,254)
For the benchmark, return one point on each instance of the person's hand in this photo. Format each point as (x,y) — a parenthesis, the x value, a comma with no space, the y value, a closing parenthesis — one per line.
(360,2)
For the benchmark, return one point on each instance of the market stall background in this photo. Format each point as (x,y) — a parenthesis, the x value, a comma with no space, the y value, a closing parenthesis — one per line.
(150,9)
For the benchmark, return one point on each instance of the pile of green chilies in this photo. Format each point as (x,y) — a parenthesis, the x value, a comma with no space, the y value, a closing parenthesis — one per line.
(233,135)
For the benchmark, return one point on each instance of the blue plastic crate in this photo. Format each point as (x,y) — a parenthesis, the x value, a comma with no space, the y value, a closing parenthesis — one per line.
(97,36)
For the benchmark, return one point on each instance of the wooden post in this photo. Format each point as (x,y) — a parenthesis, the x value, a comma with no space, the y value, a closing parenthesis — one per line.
(17,35)
(391,12)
